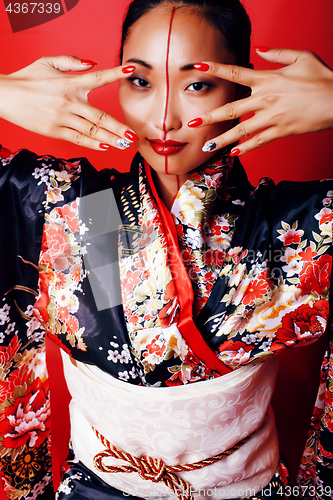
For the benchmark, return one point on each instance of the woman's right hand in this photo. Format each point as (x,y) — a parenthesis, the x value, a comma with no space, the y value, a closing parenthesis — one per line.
(43,99)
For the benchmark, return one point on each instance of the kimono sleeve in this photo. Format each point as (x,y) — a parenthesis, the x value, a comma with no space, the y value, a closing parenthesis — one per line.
(24,401)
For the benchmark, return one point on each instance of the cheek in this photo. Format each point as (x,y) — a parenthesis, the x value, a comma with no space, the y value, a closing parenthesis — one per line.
(133,108)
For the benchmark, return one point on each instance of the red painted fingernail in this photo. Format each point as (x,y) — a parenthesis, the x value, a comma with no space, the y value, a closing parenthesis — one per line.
(261,48)
(88,62)
(201,66)
(128,69)
(104,146)
(234,152)
(131,136)
(195,123)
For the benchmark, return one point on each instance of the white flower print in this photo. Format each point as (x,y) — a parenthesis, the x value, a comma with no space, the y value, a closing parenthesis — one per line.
(123,375)
(4,314)
(293,267)
(10,328)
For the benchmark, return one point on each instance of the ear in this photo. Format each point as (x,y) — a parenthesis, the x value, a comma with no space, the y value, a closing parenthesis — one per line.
(241,91)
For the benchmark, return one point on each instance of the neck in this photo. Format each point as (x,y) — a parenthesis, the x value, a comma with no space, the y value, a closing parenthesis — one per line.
(167,185)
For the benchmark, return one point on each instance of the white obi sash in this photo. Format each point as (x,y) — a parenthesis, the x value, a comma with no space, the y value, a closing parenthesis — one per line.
(181,425)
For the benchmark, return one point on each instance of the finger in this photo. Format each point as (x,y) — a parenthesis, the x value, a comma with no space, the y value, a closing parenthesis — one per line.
(80,139)
(229,111)
(101,120)
(67,63)
(280,56)
(96,79)
(239,132)
(232,73)
(98,133)
(261,139)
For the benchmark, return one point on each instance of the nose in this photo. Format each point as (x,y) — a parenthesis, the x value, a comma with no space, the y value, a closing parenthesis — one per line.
(167,115)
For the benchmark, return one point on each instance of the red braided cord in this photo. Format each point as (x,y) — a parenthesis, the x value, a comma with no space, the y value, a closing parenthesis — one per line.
(154,469)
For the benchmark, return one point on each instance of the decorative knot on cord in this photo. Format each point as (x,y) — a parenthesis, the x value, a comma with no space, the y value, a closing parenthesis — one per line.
(154,469)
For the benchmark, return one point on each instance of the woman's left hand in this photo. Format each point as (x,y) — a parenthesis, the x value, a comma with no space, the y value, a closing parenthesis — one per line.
(295,99)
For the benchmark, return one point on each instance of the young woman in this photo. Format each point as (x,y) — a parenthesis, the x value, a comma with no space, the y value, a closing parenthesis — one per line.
(176,273)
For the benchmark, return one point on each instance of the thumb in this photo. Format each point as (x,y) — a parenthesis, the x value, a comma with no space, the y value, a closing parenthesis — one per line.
(67,63)
(279,56)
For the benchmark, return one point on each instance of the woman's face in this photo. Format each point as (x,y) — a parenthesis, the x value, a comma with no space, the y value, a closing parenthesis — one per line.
(166,70)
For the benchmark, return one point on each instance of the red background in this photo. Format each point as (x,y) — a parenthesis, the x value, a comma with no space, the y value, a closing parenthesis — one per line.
(91,30)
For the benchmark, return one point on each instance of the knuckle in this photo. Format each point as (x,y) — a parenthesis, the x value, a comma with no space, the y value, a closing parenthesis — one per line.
(99,76)
(235,73)
(270,99)
(208,119)
(230,110)
(93,130)
(78,138)
(101,118)
(242,131)
(213,68)
(259,139)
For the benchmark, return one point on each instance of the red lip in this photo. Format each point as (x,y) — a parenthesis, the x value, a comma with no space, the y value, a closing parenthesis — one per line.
(166,147)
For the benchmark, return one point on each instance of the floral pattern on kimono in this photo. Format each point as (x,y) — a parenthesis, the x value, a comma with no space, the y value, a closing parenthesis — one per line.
(269,291)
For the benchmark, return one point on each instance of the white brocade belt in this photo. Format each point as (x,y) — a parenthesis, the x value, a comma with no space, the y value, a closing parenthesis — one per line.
(180,425)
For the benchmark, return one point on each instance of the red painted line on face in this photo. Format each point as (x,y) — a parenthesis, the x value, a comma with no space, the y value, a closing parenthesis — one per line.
(167,84)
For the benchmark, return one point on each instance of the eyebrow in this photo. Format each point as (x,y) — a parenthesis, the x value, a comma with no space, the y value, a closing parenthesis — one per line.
(186,67)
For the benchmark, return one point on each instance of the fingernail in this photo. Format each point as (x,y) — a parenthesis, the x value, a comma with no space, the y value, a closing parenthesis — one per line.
(123,144)
(88,62)
(104,146)
(131,135)
(261,48)
(234,152)
(201,66)
(195,123)
(128,69)
(209,146)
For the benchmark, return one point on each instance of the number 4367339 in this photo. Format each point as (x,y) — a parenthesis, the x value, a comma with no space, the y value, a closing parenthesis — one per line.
(34,8)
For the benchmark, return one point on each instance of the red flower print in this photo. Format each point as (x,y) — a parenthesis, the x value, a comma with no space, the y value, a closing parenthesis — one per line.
(325,215)
(328,414)
(305,324)
(63,313)
(147,230)
(134,318)
(170,291)
(7,353)
(315,275)
(131,280)
(187,256)
(27,421)
(256,290)
(238,258)
(55,249)
(72,325)
(67,213)
(214,257)
(169,314)
(157,346)
(181,377)
(308,254)
(60,280)
(291,236)
(75,271)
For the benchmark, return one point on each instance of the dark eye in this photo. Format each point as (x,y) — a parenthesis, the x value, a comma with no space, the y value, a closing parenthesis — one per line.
(197,86)
(139,82)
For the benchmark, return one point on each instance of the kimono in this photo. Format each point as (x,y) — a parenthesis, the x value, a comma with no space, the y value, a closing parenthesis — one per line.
(226,280)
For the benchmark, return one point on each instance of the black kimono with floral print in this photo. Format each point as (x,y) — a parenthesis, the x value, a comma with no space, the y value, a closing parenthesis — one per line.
(89,259)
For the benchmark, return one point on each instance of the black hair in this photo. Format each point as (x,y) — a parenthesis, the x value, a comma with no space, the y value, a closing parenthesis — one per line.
(228,16)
